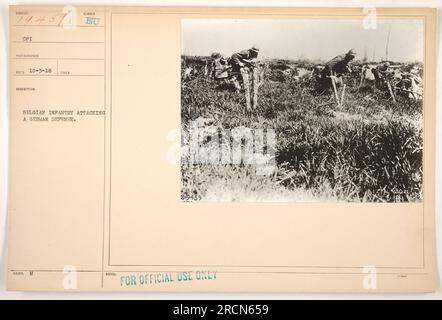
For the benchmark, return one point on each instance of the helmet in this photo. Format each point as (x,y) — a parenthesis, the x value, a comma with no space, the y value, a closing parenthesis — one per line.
(351,52)
(255,48)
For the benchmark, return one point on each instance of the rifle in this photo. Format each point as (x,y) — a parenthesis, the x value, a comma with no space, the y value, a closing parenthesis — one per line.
(390,90)
(335,90)
(249,64)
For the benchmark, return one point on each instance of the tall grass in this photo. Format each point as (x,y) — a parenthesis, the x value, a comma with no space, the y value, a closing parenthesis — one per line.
(368,150)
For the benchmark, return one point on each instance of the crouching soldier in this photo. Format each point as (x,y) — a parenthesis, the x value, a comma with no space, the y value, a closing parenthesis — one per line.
(240,61)
(381,73)
(334,69)
(220,69)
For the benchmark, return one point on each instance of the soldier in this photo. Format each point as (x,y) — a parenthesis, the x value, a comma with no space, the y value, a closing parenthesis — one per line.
(336,67)
(381,73)
(243,59)
(220,68)
(211,67)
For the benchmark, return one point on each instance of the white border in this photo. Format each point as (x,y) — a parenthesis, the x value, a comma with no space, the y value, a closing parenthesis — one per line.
(4,12)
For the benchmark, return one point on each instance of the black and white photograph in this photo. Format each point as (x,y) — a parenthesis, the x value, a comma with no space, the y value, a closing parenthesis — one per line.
(302,110)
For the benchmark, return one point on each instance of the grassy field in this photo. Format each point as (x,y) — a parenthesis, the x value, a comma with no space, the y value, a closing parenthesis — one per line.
(369,149)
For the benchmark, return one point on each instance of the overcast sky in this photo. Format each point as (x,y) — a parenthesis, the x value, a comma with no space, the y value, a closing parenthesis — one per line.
(310,39)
